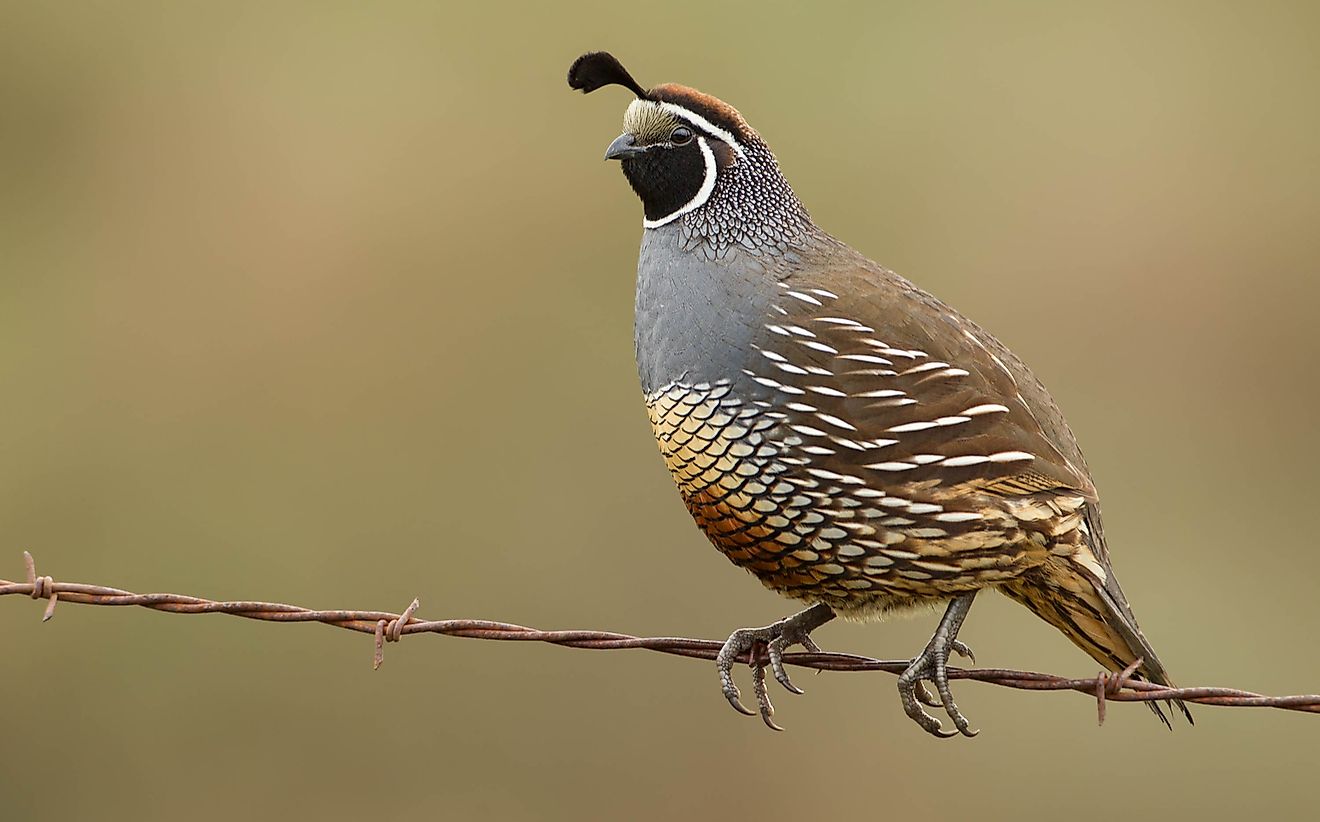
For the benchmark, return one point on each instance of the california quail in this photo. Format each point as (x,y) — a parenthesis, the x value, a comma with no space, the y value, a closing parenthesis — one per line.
(843,435)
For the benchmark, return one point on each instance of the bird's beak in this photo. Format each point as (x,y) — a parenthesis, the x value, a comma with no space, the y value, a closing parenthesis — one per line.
(624,147)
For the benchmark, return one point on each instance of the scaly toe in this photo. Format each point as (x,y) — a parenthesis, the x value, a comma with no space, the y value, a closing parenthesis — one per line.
(924,695)
(737,644)
(763,697)
(764,648)
(914,693)
(932,664)
(941,677)
(776,651)
(930,724)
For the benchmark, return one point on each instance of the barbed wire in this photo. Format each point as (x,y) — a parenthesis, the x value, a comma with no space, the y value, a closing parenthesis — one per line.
(391,627)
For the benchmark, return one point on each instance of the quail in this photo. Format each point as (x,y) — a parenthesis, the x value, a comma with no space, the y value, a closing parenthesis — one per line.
(846,437)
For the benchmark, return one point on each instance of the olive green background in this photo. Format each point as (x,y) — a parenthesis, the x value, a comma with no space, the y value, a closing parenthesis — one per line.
(330,303)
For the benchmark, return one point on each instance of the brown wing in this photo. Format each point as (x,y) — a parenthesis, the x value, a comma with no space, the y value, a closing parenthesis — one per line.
(897,384)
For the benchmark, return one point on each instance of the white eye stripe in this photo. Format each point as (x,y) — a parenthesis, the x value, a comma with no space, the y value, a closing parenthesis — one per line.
(703,193)
(705,125)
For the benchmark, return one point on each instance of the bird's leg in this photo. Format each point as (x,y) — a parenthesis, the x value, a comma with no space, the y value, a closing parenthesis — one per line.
(764,645)
(932,664)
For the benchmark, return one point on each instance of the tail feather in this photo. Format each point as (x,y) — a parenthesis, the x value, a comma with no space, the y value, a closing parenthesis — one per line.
(1119,616)
(1080,596)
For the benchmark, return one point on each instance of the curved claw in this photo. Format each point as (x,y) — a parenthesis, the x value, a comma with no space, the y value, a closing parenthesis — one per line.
(946,699)
(907,691)
(733,697)
(912,708)
(924,696)
(776,649)
(765,647)
(724,662)
(763,697)
(932,664)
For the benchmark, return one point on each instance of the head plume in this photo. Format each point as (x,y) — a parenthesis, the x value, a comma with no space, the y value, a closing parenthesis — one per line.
(600,68)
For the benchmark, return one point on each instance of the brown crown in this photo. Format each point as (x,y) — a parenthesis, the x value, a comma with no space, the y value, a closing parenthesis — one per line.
(715,110)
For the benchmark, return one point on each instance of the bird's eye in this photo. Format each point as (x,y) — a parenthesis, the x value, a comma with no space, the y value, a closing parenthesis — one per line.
(681,136)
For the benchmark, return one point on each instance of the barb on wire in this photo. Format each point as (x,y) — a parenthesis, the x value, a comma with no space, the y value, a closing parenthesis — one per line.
(388,627)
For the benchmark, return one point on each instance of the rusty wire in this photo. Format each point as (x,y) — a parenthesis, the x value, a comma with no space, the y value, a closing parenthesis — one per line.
(390,627)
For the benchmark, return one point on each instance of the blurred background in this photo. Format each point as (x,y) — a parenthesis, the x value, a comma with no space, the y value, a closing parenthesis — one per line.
(331,304)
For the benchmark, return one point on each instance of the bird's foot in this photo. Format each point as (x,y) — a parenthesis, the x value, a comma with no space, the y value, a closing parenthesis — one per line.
(932,664)
(923,693)
(765,647)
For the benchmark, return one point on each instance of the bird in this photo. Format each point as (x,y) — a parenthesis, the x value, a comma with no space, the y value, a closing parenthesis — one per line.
(853,442)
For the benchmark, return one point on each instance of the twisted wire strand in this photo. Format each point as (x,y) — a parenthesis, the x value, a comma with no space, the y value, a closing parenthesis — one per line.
(391,627)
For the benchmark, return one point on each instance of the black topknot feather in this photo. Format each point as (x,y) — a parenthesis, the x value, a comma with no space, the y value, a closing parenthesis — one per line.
(600,68)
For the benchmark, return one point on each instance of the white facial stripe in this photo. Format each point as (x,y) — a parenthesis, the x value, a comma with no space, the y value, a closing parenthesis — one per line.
(703,193)
(705,125)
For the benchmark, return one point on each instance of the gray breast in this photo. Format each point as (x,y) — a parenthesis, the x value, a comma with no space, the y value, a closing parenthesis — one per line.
(697,314)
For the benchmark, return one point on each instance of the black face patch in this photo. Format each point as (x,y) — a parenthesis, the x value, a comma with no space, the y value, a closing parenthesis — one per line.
(666,178)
